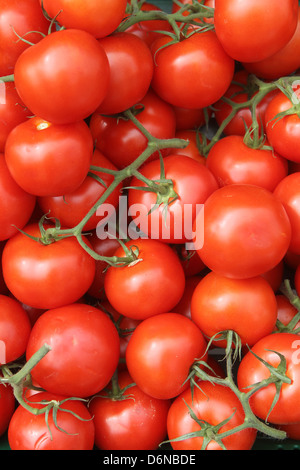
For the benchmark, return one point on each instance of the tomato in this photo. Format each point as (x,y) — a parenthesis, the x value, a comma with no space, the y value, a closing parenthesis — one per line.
(231,161)
(216,306)
(190,260)
(192,149)
(292,430)
(192,73)
(153,284)
(28,431)
(16,205)
(37,148)
(122,142)
(19,18)
(288,193)
(159,346)
(72,207)
(84,353)
(297,279)
(251,370)
(285,310)
(213,404)
(254,29)
(282,63)
(188,119)
(131,70)
(64,77)
(246,231)
(193,183)
(15,329)
(142,420)
(275,276)
(7,406)
(98,19)
(283,134)
(184,305)
(46,276)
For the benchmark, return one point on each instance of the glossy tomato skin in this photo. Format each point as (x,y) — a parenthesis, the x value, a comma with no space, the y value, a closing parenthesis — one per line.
(16,205)
(142,420)
(131,71)
(246,231)
(84,351)
(15,329)
(231,161)
(37,148)
(97,18)
(64,77)
(246,306)
(159,346)
(251,371)
(253,30)
(193,73)
(151,286)
(212,403)
(7,406)
(30,432)
(46,276)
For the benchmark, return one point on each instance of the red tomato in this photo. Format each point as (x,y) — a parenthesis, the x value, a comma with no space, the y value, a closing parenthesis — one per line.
(190,260)
(192,149)
(297,280)
(192,182)
(213,404)
(19,18)
(216,306)
(251,370)
(28,431)
(231,161)
(285,310)
(188,119)
(64,77)
(275,276)
(97,18)
(16,205)
(246,231)
(152,285)
(192,73)
(122,142)
(71,208)
(184,305)
(15,329)
(37,148)
(288,193)
(158,347)
(292,430)
(84,353)
(7,406)
(142,420)
(46,276)
(254,29)
(131,70)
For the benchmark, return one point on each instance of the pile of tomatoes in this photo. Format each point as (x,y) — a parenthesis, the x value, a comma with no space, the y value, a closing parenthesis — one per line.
(149,214)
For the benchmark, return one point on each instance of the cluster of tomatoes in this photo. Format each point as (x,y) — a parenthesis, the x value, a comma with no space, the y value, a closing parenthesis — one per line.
(101,336)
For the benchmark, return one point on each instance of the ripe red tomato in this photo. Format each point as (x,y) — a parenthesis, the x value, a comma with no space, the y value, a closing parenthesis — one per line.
(192,73)
(28,431)
(192,149)
(46,276)
(158,347)
(97,18)
(285,310)
(142,420)
(84,353)
(188,119)
(231,161)
(213,404)
(216,306)
(184,305)
(16,205)
(131,71)
(246,231)
(151,286)
(254,29)
(7,406)
(64,77)
(251,370)
(37,148)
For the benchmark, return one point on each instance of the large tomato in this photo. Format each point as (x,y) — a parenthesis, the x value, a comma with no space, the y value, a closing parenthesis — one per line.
(84,353)
(252,30)
(37,148)
(246,231)
(142,420)
(64,77)
(153,284)
(74,428)
(161,351)
(192,73)
(46,275)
